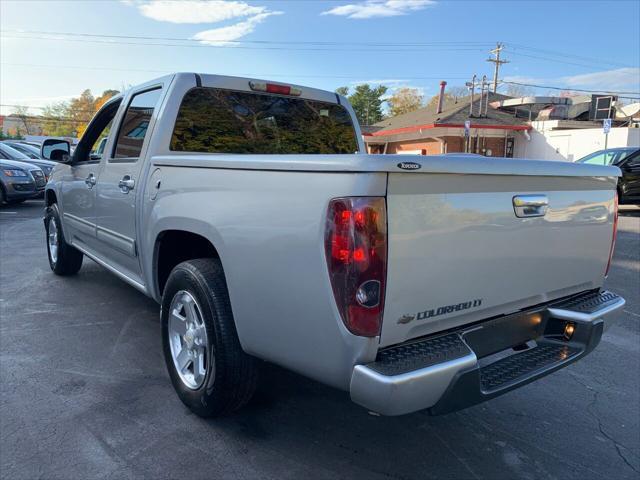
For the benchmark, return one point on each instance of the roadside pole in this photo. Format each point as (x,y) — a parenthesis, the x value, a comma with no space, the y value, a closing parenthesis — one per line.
(606,127)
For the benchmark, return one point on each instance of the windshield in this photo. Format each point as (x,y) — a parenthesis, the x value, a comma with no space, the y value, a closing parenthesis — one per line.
(213,120)
(607,157)
(12,153)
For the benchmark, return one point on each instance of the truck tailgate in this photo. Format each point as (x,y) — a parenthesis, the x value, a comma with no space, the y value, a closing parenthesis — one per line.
(458,253)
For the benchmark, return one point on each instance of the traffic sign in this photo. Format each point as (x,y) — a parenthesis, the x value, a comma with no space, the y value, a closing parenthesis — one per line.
(606,125)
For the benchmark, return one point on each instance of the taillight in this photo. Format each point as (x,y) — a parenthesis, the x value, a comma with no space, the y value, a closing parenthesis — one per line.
(356,250)
(615,232)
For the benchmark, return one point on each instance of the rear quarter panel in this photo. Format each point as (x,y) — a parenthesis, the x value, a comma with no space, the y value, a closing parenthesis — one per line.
(268,228)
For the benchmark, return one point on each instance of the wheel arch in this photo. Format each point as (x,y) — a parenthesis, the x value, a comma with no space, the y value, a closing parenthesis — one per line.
(173,246)
(50,197)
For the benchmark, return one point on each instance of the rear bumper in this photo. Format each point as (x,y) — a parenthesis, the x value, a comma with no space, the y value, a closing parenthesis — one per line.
(474,364)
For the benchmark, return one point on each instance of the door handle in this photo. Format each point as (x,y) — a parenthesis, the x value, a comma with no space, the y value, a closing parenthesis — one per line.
(126,184)
(530,205)
(90,180)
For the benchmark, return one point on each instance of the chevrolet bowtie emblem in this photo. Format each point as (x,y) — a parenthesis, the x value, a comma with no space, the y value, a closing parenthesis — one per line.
(406,318)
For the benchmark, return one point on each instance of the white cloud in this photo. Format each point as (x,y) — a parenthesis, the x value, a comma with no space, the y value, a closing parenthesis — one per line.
(620,78)
(206,11)
(195,11)
(225,35)
(379,8)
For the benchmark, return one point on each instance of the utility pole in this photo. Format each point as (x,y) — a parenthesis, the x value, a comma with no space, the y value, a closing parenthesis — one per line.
(496,52)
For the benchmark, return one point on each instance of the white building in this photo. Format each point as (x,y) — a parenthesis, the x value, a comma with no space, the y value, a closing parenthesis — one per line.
(555,140)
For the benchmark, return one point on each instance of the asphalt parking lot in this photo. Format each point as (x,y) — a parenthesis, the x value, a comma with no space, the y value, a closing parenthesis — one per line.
(84,394)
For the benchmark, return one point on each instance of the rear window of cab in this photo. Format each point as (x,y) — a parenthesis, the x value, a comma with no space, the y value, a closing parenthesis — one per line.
(212,120)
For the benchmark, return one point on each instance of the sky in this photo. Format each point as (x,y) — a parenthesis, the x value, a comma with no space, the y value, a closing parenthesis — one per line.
(51,50)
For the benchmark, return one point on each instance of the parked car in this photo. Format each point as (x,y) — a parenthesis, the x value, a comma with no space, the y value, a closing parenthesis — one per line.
(412,282)
(27,149)
(627,159)
(10,153)
(19,181)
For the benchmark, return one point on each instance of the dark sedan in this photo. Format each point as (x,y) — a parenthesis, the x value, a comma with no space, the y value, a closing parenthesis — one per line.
(19,181)
(28,149)
(9,152)
(628,160)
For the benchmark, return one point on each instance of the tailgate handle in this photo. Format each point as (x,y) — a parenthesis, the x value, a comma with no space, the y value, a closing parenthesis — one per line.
(530,205)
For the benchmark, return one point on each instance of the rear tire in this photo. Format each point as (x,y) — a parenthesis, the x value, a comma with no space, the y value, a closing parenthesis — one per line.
(63,258)
(227,377)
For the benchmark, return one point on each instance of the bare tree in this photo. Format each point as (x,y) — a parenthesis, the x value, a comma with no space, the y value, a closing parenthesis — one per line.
(22,114)
(514,90)
(458,91)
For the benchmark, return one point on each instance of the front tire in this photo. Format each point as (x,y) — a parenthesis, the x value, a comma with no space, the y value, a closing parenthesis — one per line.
(208,368)
(63,258)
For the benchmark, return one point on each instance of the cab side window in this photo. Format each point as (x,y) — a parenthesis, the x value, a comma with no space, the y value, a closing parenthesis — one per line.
(135,123)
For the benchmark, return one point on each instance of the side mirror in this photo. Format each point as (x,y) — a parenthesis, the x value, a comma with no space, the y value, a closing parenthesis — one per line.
(56,149)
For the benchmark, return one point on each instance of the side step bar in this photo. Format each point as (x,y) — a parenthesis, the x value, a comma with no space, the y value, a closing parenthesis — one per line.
(468,366)
(587,308)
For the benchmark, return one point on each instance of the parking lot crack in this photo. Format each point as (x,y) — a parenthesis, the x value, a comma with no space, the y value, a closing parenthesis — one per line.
(591,410)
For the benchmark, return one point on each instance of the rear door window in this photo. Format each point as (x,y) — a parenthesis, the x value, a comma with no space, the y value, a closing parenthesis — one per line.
(213,120)
(133,128)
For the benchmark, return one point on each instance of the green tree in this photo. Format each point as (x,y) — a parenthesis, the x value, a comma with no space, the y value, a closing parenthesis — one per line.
(55,121)
(71,118)
(366,102)
(405,100)
(344,91)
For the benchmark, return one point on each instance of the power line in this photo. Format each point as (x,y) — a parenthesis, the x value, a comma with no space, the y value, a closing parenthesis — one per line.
(90,112)
(223,44)
(286,45)
(513,47)
(572,89)
(55,118)
(556,60)
(456,76)
(267,42)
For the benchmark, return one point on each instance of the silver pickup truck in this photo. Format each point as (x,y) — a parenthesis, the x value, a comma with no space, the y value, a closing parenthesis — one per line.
(249,210)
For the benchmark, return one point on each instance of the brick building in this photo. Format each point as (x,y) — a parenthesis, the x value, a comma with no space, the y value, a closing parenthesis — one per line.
(440,128)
